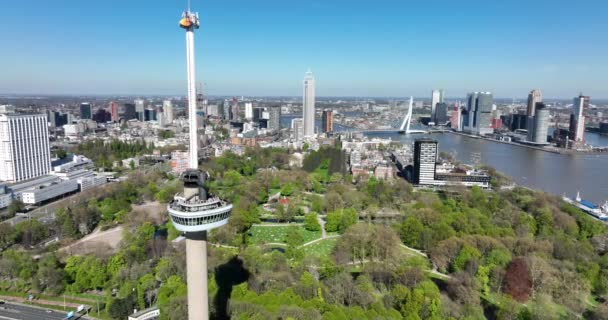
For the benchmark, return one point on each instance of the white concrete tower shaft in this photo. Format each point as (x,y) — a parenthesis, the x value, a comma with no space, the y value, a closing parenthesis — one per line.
(193,160)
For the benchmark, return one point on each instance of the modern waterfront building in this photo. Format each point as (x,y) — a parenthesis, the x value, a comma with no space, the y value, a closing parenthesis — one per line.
(577,119)
(478,116)
(436,97)
(168,111)
(86,111)
(534,97)
(297,129)
(25,152)
(425,157)
(456,118)
(139,109)
(328,121)
(441,113)
(426,172)
(538,131)
(194,212)
(308,105)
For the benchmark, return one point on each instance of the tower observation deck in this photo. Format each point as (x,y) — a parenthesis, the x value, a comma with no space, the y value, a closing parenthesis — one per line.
(194,211)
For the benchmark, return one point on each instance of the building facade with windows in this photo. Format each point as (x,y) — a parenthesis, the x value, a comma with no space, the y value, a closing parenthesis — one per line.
(25,152)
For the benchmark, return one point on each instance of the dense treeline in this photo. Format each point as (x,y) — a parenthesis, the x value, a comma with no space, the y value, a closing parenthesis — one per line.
(104,153)
(513,254)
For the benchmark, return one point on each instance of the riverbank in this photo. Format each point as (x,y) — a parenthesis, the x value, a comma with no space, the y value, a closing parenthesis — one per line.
(554,150)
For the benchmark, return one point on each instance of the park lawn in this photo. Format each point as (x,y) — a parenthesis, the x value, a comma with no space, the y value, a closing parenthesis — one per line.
(261,235)
(322,248)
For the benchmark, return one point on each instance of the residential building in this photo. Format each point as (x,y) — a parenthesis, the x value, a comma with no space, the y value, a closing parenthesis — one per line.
(540,130)
(5,197)
(577,119)
(24,146)
(179,161)
(168,111)
(534,97)
(308,105)
(297,128)
(114,111)
(328,121)
(478,116)
(274,118)
(248,111)
(425,157)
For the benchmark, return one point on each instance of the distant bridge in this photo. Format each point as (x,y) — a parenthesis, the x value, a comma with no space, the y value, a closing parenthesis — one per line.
(403,129)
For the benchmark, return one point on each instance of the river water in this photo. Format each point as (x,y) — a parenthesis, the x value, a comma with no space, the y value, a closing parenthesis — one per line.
(554,173)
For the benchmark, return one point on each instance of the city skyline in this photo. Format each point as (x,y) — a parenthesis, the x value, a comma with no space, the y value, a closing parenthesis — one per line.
(398,56)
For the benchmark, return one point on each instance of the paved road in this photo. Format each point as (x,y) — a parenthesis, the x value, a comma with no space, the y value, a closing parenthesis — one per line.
(10,311)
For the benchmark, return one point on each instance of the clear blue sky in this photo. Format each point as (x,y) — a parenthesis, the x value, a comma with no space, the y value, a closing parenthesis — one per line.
(263,47)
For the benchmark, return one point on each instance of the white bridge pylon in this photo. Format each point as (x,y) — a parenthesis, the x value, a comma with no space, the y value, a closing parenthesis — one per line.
(405,126)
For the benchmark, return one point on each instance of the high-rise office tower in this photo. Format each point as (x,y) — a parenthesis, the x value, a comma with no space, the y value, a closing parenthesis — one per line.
(114,111)
(86,111)
(456,118)
(130,112)
(226,110)
(248,110)
(308,105)
(274,118)
(168,111)
(328,121)
(297,128)
(425,158)
(24,141)
(577,118)
(478,115)
(150,114)
(441,113)
(194,212)
(436,97)
(139,109)
(540,130)
(534,97)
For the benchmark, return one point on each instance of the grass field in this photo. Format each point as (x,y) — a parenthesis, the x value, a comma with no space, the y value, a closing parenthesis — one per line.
(261,235)
(321,248)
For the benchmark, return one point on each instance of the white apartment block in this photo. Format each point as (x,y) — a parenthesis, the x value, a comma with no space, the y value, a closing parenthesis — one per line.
(24,146)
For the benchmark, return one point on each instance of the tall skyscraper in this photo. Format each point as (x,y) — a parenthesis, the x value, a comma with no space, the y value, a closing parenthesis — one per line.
(534,97)
(308,105)
(274,118)
(139,109)
(456,118)
(425,158)
(168,111)
(297,128)
(24,144)
(86,112)
(540,130)
(436,97)
(441,113)
(577,118)
(130,112)
(248,111)
(478,115)
(328,121)
(114,111)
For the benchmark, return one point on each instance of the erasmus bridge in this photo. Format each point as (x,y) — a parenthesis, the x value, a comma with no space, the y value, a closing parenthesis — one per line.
(404,128)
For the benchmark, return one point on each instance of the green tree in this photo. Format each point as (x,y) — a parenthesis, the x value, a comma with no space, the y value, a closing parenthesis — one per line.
(311,222)
(15,206)
(411,231)
(466,254)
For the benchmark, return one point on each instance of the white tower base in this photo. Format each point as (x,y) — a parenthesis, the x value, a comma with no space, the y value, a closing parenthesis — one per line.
(196,271)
